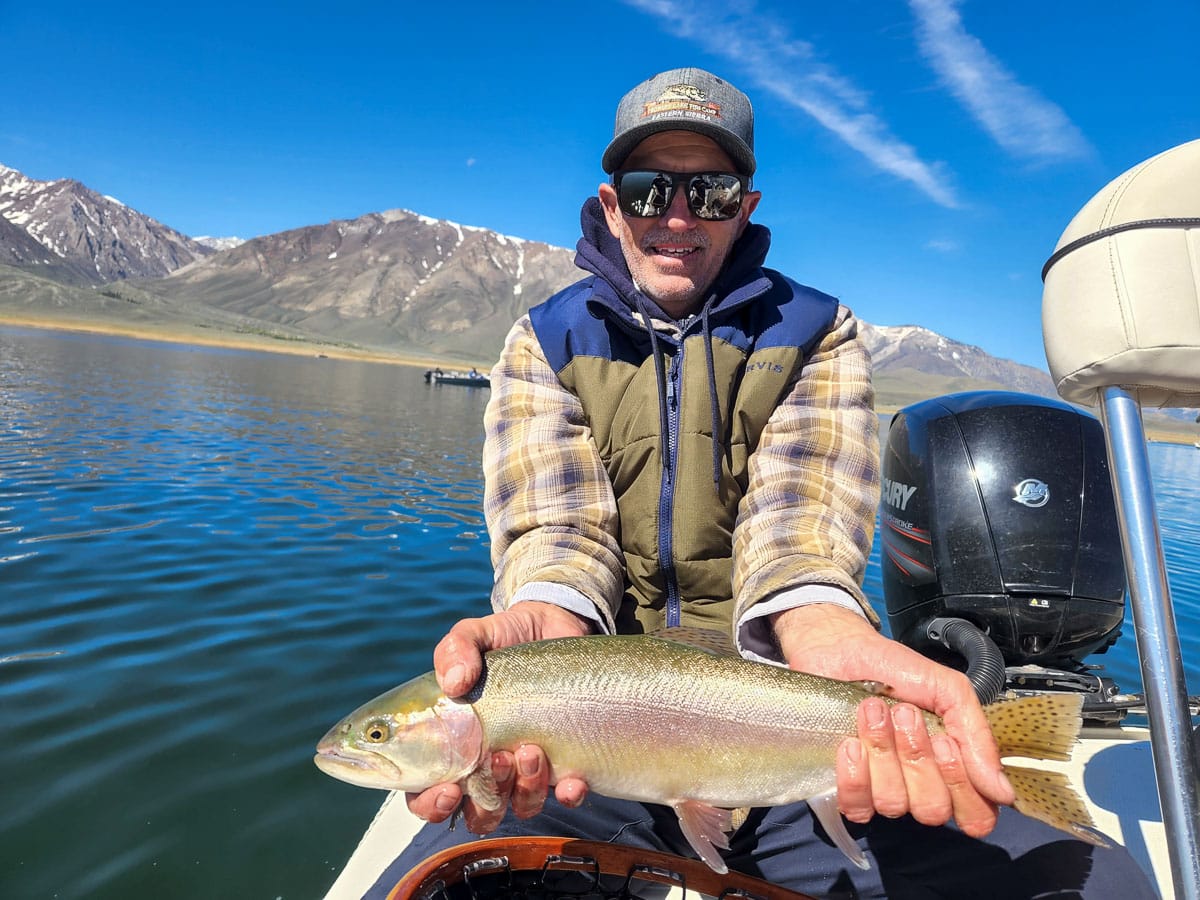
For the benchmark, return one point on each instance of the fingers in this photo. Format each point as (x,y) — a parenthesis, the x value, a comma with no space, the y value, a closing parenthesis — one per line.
(888,794)
(485,821)
(435,804)
(571,792)
(458,657)
(975,814)
(979,755)
(522,781)
(895,767)
(854,782)
(532,782)
(926,794)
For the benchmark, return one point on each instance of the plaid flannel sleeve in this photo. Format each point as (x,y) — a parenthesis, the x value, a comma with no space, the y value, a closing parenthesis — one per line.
(808,517)
(549,504)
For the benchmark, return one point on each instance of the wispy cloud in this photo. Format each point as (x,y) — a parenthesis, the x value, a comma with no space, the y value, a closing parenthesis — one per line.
(1016,116)
(788,68)
(942,245)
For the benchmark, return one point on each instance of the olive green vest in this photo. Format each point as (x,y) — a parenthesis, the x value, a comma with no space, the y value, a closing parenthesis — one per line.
(757,351)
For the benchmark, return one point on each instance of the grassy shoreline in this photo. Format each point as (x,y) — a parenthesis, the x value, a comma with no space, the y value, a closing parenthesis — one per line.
(198,336)
(296,346)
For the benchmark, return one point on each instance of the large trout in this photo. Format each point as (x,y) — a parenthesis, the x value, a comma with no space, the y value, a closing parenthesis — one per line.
(658,721)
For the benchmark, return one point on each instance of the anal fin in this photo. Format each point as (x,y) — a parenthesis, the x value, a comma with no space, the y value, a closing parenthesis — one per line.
(824,807)
(704,826)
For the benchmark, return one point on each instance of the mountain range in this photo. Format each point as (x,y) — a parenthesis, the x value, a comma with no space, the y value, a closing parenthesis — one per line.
(392,282)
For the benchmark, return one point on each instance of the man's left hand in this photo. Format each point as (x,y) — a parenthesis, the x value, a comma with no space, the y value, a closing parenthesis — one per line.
(894,766)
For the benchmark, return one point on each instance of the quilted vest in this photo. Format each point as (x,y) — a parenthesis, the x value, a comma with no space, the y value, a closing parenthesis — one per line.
(676,522)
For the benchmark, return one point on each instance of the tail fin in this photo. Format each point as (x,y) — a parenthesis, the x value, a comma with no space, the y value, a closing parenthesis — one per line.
(1045,726)
(1049,797)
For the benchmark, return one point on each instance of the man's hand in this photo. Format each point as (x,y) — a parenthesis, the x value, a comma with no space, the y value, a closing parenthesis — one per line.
(894,766)
(522,778)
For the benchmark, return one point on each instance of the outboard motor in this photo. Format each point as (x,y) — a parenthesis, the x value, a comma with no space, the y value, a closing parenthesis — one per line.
(999,539)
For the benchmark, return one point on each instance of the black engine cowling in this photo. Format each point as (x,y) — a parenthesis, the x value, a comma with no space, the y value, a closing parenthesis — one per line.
(997,508)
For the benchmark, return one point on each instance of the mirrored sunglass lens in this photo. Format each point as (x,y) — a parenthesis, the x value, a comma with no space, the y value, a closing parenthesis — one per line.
(715,196)
(645,193)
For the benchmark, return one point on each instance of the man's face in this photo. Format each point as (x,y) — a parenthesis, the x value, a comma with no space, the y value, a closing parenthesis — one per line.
(675,257)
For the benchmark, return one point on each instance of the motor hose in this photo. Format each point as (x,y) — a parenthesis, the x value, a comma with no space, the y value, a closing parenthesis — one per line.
(985,662)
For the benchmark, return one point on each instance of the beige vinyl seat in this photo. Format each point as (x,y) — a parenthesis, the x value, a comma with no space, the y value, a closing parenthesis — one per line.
(1121,304)
(1121,325)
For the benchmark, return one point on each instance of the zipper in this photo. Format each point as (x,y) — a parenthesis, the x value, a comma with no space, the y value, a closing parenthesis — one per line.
(666,501)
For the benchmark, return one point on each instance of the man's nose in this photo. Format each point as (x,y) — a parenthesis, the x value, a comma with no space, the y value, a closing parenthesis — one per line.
(679,215)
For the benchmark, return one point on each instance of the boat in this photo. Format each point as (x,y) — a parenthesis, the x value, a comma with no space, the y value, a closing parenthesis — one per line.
(1113,763)
(1125,266)
(465,379)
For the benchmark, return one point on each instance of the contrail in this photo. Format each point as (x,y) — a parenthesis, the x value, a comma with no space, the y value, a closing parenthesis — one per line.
(1017,117)
(787,68)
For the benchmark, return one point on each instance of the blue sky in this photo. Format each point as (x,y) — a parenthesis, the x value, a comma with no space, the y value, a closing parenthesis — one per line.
(917,158)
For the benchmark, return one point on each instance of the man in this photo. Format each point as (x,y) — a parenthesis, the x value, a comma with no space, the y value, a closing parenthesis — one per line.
(686,437)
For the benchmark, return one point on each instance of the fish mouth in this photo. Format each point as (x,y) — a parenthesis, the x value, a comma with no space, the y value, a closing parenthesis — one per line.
(362,769)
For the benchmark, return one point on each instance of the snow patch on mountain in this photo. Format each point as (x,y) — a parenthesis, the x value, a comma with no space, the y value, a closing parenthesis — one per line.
(220,243)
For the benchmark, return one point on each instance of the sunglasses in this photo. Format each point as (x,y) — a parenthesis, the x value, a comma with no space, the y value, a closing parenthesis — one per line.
(647,193)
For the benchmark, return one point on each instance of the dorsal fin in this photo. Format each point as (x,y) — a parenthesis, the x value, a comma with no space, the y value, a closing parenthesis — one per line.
(876,687)
(718,643)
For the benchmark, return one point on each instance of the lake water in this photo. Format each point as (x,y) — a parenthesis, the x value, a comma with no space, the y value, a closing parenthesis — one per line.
(206,558)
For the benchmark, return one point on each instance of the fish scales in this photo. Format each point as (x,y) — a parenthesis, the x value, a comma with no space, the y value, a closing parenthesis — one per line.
(640,717)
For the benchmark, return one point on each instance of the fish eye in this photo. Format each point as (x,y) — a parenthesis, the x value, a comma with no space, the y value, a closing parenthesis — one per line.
(377,732)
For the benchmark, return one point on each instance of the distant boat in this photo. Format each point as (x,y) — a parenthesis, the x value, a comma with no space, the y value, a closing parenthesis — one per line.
(467,379)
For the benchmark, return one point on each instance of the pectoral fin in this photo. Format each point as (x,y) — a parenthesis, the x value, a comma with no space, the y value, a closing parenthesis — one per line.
(824,807)
(480,785)
(704,826)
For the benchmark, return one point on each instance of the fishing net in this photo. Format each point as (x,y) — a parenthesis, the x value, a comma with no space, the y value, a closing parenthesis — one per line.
(544,868)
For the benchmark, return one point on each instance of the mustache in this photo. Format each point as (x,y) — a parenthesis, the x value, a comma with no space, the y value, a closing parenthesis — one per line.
(696,239)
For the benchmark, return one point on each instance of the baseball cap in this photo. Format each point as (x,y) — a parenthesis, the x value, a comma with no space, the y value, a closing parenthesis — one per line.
(684,100)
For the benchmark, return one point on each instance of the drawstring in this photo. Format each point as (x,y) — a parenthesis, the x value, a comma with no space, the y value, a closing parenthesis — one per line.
(661,381)
(714,407)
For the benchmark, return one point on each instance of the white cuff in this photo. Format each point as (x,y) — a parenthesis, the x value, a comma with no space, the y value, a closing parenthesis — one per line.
(560,595)
(753,634)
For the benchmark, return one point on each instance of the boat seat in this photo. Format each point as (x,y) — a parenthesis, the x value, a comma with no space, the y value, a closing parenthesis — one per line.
(1121,303)
(1121,324)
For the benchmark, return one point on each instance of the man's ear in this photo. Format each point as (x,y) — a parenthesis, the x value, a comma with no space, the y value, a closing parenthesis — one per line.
(612,214)
(749,203)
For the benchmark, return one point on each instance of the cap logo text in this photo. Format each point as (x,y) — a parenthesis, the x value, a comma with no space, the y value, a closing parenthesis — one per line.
(682,98)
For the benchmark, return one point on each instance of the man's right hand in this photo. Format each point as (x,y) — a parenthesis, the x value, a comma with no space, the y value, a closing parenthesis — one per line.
(522,778)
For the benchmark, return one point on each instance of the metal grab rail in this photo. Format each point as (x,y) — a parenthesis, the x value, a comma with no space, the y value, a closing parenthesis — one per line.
(1171,742)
